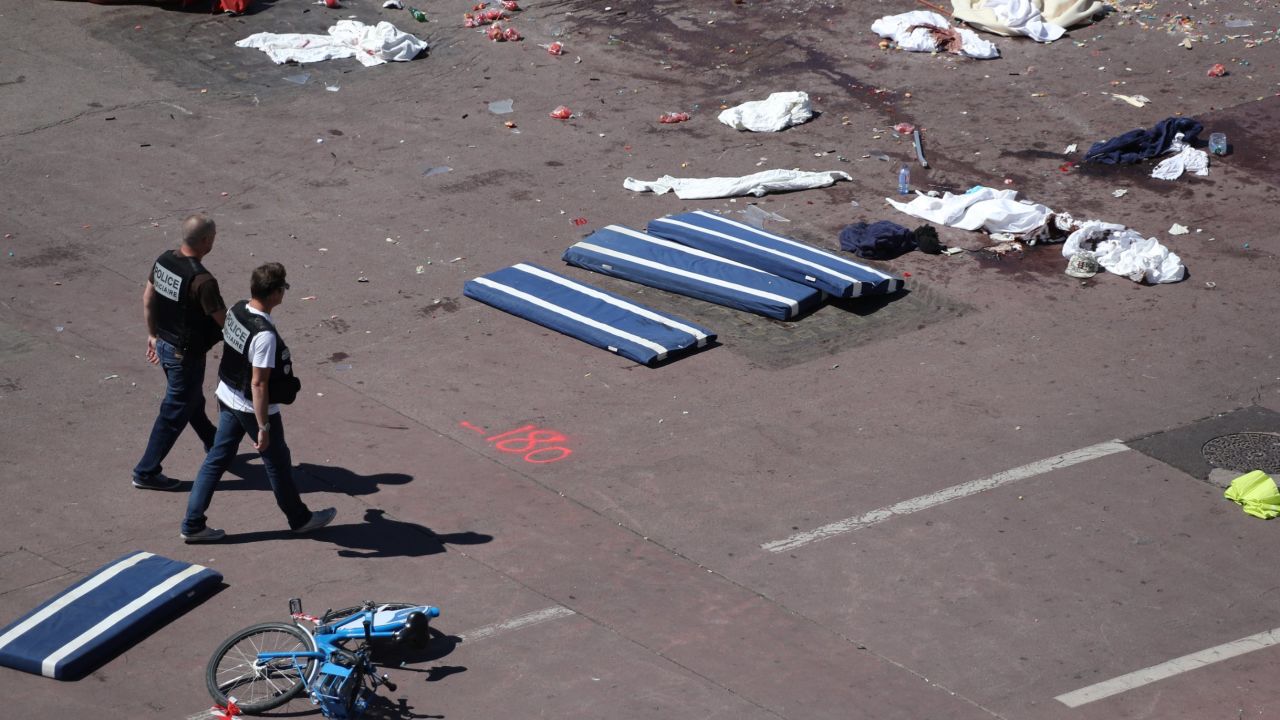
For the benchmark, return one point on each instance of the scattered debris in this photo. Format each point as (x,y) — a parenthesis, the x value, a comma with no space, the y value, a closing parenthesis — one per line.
(754,215)
(1217,70)
(1004,248)
(1119,192)
(562,112)
(1177,229)
(915,138)
(672,118)
(502,107)
(1134,100)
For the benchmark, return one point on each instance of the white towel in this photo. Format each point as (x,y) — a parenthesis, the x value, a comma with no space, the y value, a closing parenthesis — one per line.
(779,111)
(913,31)
(757,184)
(371,45)
(982,207)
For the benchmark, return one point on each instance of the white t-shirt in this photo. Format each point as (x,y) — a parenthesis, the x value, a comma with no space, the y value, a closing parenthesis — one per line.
(262,354)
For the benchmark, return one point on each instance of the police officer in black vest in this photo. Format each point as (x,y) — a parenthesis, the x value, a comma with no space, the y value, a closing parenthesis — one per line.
(255,379)
(184,313)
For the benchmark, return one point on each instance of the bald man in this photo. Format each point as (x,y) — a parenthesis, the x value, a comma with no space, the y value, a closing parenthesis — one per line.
(184,312)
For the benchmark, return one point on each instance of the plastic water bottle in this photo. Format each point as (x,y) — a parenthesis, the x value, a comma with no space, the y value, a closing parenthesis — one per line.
(904,181)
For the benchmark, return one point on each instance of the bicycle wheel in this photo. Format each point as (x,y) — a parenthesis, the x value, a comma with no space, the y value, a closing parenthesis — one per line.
(234,670)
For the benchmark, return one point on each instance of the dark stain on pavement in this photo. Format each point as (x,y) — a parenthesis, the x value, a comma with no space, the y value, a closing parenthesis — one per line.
(480,181)
(51,257)
(448,304)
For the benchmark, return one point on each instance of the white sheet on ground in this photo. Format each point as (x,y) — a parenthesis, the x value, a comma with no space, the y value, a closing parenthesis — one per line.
(757,184)
(982,207)
(370,44)
(777,112)
(1041,20)
(913,31)
(1123,251)
(1185,159)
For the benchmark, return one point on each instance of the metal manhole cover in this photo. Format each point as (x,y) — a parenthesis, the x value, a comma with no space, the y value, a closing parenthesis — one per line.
(1244,452)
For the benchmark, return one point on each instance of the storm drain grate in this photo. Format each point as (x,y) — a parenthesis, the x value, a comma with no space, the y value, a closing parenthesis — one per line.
(1244,452)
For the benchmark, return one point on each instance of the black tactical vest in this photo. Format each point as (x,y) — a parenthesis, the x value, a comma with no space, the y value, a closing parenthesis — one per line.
(235,369)
(180,321)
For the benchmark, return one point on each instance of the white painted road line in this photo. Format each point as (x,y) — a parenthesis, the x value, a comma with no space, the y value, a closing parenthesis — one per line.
(525,620)
(955,492)
(1164,670)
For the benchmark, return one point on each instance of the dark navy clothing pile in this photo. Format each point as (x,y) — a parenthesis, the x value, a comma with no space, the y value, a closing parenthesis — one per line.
(1138,145)
(881,240)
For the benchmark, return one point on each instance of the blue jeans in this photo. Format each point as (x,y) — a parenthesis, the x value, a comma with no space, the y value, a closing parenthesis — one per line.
(183,404)
(232,427)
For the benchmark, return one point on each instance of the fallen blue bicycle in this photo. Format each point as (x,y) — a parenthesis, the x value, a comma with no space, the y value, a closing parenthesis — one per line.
(265,666)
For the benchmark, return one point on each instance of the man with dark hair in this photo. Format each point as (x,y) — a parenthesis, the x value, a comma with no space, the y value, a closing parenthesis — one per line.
(183,311)
(255,378)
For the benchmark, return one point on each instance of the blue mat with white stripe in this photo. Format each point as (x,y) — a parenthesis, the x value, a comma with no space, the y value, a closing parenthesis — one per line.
(775,254)
(587,313)
(73,633)
(635,256)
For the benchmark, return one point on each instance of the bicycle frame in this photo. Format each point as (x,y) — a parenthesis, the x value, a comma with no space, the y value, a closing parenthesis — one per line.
(336,682)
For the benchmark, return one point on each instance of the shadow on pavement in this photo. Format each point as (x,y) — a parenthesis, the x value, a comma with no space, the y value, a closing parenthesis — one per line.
(379,536)
(252,476)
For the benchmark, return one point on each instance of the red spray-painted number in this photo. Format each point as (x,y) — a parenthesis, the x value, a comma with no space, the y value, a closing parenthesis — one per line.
(535,444)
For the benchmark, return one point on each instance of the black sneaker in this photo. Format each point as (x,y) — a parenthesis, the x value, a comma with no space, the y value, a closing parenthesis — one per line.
(156,482)
(319,519)
(206,535)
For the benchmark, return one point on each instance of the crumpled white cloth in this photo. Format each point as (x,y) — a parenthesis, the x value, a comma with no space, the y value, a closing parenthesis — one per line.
(757,184)
(1012,17)
(1186,159)
(982,207)
(911,31)
(1041,20)
(1124,251)
(370,44)
(777,112)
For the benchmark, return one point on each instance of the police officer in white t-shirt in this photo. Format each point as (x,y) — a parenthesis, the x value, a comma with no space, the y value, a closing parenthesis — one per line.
(255,379)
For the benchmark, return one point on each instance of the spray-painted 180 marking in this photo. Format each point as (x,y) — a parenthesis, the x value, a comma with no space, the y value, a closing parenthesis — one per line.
(533,442)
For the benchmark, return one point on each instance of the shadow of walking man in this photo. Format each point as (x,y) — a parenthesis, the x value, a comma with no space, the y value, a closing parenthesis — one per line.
(383,536)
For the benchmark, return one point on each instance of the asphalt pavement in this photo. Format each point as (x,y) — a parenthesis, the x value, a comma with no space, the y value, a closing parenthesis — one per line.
(982,498)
